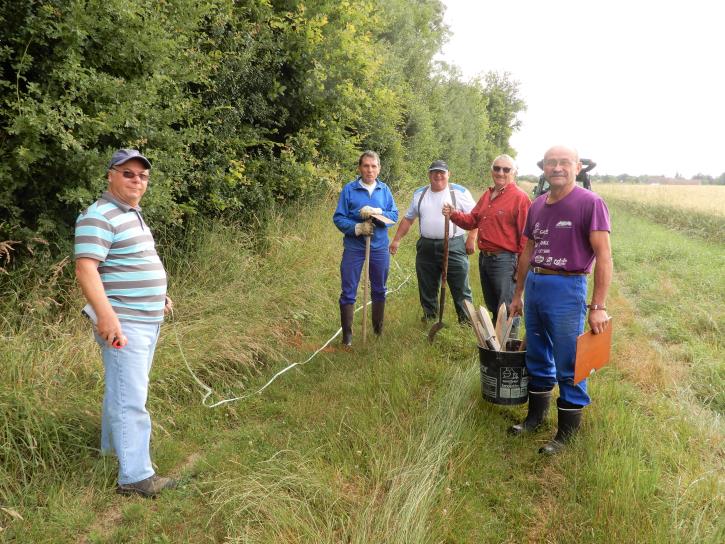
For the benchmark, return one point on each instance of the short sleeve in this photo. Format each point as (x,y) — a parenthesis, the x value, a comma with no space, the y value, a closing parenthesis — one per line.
(600,217)
(412,211)
(93,236)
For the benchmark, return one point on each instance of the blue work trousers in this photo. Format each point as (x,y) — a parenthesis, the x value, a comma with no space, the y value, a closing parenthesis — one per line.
(554,311)
(125,422)
(351,270)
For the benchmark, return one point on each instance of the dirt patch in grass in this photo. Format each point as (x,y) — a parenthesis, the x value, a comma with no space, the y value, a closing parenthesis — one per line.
(303,345)
(550,480)
(635,352)
(108,520)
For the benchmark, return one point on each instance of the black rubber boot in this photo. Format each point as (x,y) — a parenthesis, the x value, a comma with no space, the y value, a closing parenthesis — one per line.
(378,317)
(347,312)
(569,421)
(538,407)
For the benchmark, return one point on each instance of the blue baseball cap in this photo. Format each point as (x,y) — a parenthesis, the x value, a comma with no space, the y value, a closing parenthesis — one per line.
(124,155)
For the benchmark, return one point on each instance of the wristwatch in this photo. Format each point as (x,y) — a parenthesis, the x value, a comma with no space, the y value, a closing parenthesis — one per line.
(596,306)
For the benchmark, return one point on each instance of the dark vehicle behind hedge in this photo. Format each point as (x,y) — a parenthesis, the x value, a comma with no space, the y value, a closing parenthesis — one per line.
(582,177)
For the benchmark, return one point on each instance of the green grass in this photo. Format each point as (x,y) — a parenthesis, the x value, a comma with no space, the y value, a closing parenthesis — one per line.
(389,443)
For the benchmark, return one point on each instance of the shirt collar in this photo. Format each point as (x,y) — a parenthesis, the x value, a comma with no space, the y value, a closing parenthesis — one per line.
(107,195)
(364,186)
(493,188)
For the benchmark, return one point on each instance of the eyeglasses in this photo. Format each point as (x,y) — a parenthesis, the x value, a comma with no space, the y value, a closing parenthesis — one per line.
(504,169)
(552,163)
(128,174)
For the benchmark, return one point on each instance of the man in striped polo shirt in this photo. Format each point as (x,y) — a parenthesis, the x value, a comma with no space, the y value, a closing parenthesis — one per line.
(124,283)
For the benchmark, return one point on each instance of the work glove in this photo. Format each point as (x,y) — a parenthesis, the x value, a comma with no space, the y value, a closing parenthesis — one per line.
(367,211)
(364,229)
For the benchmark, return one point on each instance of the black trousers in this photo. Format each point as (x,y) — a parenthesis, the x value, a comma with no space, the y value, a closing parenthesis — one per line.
(498,283)
(429,268)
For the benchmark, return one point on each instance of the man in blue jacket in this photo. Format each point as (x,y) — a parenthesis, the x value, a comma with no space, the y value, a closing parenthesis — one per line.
(359,200)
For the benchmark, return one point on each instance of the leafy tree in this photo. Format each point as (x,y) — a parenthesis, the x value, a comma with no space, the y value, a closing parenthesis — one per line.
(504,104)
(238,103)
(79,79)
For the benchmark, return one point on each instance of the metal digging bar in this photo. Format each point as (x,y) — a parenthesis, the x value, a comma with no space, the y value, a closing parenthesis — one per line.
(444,278)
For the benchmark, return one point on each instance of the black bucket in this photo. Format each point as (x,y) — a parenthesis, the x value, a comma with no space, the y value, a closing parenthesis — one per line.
(504,379)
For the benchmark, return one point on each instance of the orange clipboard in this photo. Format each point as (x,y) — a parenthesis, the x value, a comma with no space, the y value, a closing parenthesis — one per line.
(592,352)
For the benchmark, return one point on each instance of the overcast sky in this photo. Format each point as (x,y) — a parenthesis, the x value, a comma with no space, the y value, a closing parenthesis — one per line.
(638,86)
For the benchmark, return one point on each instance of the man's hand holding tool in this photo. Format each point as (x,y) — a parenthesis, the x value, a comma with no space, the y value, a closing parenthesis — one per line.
(364,229)
(367,211)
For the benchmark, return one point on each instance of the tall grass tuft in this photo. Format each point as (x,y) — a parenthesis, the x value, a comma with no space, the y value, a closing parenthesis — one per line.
(44,430)
(402,504)
(238,311)
(286,498)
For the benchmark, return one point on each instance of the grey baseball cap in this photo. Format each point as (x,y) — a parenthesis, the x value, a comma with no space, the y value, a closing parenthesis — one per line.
(123,155)
(438,165)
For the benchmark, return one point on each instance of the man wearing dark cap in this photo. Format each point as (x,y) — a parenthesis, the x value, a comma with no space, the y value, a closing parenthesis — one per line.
(427,205)
(124,283)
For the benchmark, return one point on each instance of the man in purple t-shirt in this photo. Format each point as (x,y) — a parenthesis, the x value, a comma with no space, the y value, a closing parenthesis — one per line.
(568,231)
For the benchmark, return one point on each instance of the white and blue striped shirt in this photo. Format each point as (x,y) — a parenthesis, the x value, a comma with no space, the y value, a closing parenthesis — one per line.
(133,276)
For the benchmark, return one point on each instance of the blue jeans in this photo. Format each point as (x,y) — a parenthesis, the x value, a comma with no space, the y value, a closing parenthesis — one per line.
(351,270)
(125,423)
(554,311)
(498,283)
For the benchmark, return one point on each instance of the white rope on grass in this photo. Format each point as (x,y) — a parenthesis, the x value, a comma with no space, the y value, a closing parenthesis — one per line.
(209,391)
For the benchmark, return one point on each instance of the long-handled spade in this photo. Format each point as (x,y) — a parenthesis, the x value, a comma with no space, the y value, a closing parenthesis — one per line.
(378,221)
(444,278)
(366,274)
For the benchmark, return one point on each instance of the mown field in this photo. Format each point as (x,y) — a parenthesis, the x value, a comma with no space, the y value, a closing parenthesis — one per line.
(391,442)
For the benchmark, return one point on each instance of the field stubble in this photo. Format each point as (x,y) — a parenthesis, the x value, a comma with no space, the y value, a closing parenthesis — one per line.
(707,199)
(696,210)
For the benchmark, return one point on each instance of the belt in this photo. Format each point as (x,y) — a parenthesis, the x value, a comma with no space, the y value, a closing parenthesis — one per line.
(549,272)
(494,253)
(441,239)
